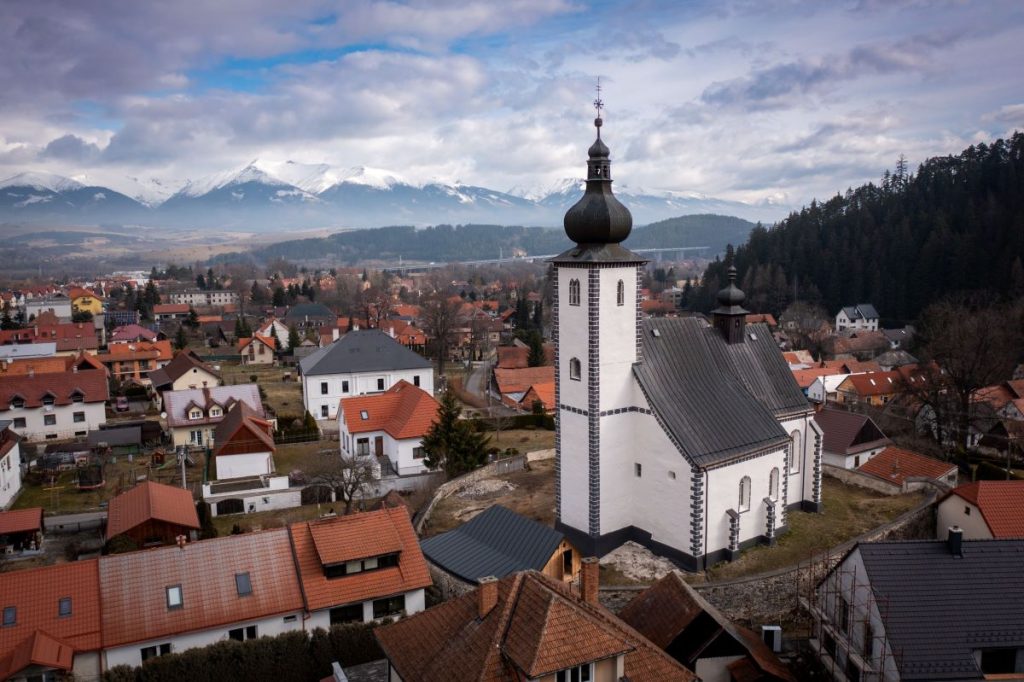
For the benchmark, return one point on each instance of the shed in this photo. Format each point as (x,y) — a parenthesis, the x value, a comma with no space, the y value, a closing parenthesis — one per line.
(121,441)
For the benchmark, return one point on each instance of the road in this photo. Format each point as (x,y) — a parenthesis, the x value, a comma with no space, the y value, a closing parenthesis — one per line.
(476,383)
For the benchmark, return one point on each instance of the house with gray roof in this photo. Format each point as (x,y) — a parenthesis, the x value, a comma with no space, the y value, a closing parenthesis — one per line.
(499,542)
(363,361)
(862,316)
(923,610)
(193,414)
(689,436)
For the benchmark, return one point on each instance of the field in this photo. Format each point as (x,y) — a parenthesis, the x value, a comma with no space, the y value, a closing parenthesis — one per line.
(284,397)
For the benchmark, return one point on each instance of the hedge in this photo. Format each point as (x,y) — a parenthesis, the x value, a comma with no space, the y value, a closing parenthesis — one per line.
(292,656)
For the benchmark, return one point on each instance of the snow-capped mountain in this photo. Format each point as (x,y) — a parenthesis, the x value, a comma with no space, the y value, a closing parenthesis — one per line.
(274,195)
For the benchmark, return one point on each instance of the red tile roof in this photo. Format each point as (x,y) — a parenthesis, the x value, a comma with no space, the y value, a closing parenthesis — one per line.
(545,393)
(403,411)
(896,465)
(132,332)
(170,308)
(242,431)
(520,380)
(362,531)
(36,594)
(67,335)
(38,649)
(268,341)
(21,520)
(872,384)
(25,366)
(1000,503)
(151,500)
(91,383)
(134,586)
(139,350)
(538,623)
(805,377)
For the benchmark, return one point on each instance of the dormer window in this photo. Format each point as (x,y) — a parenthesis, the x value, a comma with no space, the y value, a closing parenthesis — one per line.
(215,412)
(243,584)
(18,403)
(361,565)
(581,673)
(48,400)
(64,607)
(77,397)
(364,415)
(195,414)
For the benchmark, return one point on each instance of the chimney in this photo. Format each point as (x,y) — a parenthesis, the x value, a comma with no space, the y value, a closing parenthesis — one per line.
(391,331)
(486,596)
(955,541)
(589,579)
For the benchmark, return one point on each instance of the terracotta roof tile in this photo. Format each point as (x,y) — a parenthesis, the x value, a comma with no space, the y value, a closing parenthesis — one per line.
(451,643)
(403,411)
(805,377)
(91,383)
(545,393)
(241,431)
(1000,503)
(896,465)
(268,341)
(134,586)
(142,350)
(151,500)
(520,380)
(38,649)
(170,308)
(21,520)
(354,536)
(36,594)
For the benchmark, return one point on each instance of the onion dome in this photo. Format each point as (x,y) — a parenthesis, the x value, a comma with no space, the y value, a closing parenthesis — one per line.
(731,295)
(598,217)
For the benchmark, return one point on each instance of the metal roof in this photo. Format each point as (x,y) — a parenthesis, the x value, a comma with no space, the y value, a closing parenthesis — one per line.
(939,609)
(717,400)
(496,542)
(363,350)
(597,253)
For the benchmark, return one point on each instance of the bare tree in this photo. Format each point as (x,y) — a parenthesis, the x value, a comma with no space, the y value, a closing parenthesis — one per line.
(807,325)
(375,304)
(440,319)
(347,475)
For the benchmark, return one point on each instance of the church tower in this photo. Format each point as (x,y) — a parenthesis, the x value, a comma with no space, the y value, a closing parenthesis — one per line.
(596,319)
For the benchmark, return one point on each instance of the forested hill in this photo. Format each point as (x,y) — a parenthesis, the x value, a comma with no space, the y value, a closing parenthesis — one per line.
(956,224)
(445,243)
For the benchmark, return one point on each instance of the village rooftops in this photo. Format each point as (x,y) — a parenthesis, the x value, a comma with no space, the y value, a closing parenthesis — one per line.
(179,404)
(847,433)
(242,430)
(1000,503)
(53,388)
(362,350)
(896,465)
(403,411)
(151,501)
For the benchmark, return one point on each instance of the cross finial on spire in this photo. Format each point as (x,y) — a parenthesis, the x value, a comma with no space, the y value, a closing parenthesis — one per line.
(599,105)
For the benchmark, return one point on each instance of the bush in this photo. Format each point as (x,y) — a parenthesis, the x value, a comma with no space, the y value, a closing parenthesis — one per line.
(120,673)
(120,544)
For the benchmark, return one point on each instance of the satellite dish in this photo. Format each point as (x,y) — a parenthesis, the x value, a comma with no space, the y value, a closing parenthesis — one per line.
(163,415)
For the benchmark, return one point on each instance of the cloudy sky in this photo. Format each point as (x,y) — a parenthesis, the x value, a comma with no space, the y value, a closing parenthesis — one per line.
(756,100)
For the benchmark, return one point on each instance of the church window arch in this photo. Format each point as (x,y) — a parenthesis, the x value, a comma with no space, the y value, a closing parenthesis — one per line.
(773,485)
(574,369)
(745,494)
(620,293)
(574,292)
(796,453)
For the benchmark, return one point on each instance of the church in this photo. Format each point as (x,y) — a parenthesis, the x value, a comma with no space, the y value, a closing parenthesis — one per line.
(688,436)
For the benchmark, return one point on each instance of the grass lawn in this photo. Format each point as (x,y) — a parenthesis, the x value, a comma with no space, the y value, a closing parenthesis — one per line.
(848,512)
(302,456)
(524,440)
(284,397)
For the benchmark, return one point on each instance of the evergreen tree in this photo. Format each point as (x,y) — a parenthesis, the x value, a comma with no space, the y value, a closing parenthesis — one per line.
(201,281)
(538,315)
(293,338)
(150,294)
(193,318)
(279,300)
(536,357)
(273,335)
(180,340)
(452,444)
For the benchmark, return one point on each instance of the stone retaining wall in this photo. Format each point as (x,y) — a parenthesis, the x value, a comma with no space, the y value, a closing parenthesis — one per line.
(453,486)
(862,480)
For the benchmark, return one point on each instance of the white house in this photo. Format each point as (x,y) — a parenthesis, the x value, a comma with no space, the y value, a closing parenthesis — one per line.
(243,444)
(257,350)
(160,601)
(185,370)
(823,389)
(200,297)
(849,439)
(691,438)
(55,405)
(10,464)
(59,305)
(982,510)
(193,413)
(388,425)
(862,316)
(275,326)
(361,362)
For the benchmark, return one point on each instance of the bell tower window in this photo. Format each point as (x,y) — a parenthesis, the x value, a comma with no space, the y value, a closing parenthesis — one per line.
(574,369)
(574,292)
(620,293)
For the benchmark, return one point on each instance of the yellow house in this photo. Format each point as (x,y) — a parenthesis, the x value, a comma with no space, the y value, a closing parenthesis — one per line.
(85,301)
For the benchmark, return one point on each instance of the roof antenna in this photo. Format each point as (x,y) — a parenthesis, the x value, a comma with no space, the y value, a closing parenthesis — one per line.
(598,104)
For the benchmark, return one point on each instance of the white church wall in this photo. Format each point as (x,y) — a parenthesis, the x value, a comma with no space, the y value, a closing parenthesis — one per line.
(574,469)
(572,339)
(618,337)
(801,479)
(723,494)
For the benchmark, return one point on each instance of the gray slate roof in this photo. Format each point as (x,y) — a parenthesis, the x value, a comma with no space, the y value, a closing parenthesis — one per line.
(496,542)
(304,310)
(938,609)
(718,401)
(861,311)
(362,350)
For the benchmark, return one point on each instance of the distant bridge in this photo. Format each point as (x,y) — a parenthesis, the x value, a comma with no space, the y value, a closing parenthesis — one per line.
(423,267)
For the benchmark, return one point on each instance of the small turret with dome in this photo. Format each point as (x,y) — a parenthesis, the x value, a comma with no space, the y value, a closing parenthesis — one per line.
(598,217)
(730,317)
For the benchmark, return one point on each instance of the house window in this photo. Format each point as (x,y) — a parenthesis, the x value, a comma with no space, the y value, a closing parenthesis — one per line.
(10,616)
(620,293)
(773,485)
(415,379)
(243,584)
(581,673)
(391,606)
(18,403)
(745,494)
(344,387)
(78,417)
(574,369)
(196,437)
(419,453)
(77,397)
(325,411)
(967,511)
(638,469)
(242,634)
(323,388)
(64,607)
(19,422)
(363,446)
(149,652)
(48,400)
(174,597)
(215,412)
(195,414)
(574,292)
(352,613)
(796,453)
(380,384)
(49,420)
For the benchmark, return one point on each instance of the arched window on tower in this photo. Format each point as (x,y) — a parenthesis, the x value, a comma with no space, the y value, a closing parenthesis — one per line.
(796,453)
(574,369)
(745,494)
(620,293)
(574,292)
(773,485)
